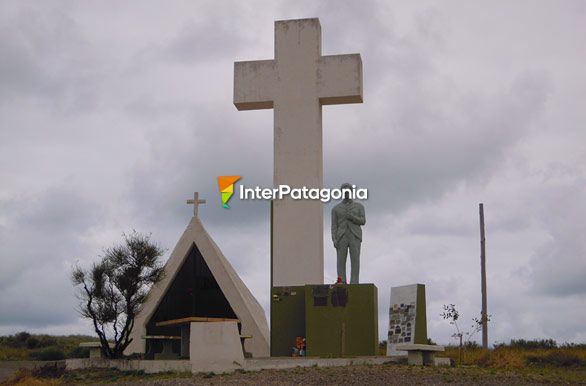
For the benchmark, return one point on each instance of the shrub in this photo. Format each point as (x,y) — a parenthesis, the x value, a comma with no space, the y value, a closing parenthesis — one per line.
(79,352)
(32,342)
(580,346)
(471,345)
(113,290)
(534,344)
(17,340)
(48,354)
(557,358)
(49,371)
(22,337)
(46,341)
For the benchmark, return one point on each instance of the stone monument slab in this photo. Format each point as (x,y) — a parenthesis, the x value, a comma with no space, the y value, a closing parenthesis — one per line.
(407,318)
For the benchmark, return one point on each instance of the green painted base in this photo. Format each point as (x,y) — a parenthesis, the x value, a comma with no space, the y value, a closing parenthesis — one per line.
(287,319)
(337,321)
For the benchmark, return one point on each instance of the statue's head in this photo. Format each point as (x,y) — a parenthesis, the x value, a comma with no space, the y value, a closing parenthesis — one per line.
(346,194)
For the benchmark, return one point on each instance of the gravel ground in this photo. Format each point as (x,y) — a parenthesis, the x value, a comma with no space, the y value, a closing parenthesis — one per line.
(391,374)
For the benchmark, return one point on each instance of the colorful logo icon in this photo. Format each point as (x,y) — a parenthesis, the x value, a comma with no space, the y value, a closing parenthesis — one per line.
(226,185)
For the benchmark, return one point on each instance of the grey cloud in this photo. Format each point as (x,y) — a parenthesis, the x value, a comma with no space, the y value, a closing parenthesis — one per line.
(46,57)
(205,41)
(39,298)
(39,229)
(455,225)
(425,151)
(207,143)
(433,226)
(558,267)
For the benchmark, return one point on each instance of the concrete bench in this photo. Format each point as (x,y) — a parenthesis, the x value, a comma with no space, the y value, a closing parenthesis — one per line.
(167,352)
(95,348)
(420,354)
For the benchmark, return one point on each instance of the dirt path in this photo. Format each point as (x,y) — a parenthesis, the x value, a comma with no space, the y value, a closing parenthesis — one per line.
(386,374)
(391,374)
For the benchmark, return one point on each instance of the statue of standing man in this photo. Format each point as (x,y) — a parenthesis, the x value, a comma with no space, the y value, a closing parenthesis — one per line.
(347,218)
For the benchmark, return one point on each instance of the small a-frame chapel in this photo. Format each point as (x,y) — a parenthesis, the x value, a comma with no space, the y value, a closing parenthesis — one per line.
(199,286)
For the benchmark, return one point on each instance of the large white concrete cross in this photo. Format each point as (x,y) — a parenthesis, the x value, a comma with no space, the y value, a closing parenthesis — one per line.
(296,84)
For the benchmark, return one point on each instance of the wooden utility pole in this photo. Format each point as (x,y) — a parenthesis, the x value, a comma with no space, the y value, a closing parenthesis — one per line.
(484,313)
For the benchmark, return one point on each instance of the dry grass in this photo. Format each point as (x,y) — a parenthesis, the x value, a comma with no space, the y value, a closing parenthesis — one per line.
(518,358)
(11,349)
(25,377)
(13,354)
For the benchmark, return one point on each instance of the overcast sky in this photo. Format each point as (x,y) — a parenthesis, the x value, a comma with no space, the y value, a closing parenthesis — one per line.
(112,113)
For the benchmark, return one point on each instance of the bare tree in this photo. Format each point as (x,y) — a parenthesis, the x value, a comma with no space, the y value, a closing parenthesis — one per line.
(452,315)
(112,291)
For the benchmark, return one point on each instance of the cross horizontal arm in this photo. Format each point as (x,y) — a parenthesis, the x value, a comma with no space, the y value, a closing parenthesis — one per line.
(340,79)
(254,84)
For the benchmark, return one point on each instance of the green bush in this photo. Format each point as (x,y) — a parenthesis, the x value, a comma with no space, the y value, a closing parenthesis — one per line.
(46,341)
(17,340)
(32,342)
(581,346)
(471,345)
(534,344)
(22,337)
(48,354)
(79,352)
(558,358)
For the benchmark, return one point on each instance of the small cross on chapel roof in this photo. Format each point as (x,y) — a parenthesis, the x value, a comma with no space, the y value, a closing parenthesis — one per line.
(195,201)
